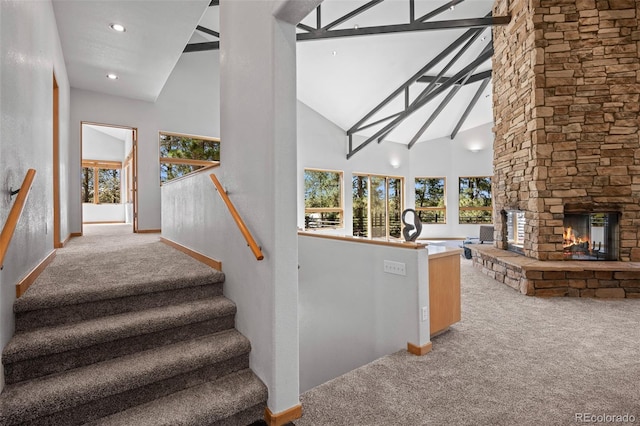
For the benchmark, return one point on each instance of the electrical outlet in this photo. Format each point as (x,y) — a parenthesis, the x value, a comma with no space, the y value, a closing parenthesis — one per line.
(397,268)
(424,313)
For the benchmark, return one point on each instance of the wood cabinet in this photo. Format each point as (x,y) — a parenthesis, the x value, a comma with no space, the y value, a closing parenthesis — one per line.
(444,288)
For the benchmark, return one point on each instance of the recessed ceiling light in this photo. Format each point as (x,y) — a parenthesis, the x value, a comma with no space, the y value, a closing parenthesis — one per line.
(112,76)
(356,26)
(118,27)
(483,38)
(334,53)
(452,8)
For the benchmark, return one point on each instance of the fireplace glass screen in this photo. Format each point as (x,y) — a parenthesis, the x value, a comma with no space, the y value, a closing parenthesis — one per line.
(515,230)
(590,236)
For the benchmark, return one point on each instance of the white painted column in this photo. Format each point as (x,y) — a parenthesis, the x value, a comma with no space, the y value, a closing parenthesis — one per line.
(258,153)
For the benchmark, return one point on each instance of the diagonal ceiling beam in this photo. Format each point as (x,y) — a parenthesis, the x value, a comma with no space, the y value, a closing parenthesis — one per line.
(444,86)
(352,14)
(472,79)
(452,93)
(431,86)
(201,47)
(208,31)
(435,61)
(439,10)
(470,107)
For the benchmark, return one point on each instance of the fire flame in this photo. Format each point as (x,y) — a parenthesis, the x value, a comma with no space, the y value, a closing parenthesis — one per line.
(571,239)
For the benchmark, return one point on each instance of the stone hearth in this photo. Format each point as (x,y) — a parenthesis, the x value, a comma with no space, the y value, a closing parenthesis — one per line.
(558,278)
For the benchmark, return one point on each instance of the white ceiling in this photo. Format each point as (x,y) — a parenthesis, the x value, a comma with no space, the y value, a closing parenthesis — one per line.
(115,132)
(143,56)
(343,86)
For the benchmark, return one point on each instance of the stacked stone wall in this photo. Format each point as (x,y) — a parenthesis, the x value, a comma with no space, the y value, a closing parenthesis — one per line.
(566,96)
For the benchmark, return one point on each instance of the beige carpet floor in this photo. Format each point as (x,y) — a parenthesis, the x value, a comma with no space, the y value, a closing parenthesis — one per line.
(512,360)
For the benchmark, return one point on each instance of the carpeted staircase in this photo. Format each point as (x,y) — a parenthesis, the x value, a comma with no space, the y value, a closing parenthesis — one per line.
(161,351)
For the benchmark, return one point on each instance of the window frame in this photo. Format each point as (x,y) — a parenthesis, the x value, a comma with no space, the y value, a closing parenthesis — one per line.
(339,210)
(97,165)
(444,198)
(402,201)
(479,208)
(205,164)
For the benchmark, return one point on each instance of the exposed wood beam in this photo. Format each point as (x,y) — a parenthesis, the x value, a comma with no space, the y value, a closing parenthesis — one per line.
(470,107)
(214,3)
(452,93)
(305,27)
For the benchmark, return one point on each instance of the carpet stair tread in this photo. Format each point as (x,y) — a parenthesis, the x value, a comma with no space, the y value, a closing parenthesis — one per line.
(56,339)
(39,397)
(47,296)
(206,404)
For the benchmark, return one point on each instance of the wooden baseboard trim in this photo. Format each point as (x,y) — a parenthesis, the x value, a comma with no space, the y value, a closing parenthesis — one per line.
(75,234)
(149,231)
(282,417)
(419,350)
(24,284)
(215,264)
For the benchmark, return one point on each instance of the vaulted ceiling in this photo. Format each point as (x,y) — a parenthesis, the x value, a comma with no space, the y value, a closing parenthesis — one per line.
(343,78)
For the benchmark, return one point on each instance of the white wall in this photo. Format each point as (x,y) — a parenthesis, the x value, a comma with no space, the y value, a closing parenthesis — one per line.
(453,159)
(322,144)
(30,53)
(352,312)
(96,213)
(100,146)
(189,103)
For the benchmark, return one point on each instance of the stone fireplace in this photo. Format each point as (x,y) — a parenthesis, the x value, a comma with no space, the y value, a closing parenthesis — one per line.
(566,92)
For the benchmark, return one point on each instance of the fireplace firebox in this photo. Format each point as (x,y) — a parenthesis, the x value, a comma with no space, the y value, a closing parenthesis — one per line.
(590,236)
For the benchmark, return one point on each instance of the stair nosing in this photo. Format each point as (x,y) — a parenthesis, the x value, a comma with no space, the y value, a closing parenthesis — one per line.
(29,303)
(210,391)
(16,349)
(94,382)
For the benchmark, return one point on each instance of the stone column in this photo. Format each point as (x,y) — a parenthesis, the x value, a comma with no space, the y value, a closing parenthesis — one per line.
(566,92)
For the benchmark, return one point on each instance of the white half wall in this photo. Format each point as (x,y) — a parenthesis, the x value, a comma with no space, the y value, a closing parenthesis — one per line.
(100,213)
(30,54)
(350,311)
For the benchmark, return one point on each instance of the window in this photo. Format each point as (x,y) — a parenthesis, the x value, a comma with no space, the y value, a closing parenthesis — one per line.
(107,174)
(322,199)
(183,154)
(377,206)
(430,199)
(475,200)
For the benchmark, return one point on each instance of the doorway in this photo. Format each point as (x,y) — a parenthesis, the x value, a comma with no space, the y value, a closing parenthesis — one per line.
(109,188)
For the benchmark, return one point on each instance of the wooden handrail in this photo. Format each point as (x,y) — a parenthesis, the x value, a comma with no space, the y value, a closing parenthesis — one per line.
(234,213)
(14,214)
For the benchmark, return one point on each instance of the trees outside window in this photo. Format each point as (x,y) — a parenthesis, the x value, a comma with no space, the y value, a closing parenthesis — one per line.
(431,199)
(322,199)
(377,206)
(184,154)
(475,200)
(103,175)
